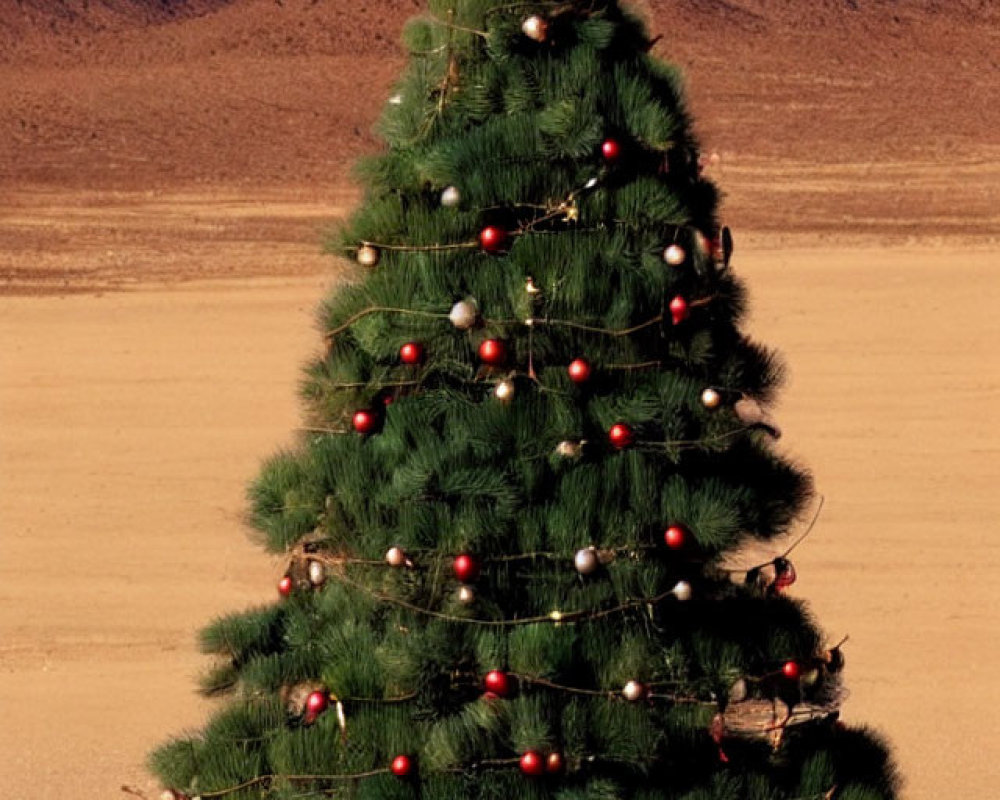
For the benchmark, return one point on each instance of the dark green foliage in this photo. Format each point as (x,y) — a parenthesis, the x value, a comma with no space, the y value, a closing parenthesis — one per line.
(399,652)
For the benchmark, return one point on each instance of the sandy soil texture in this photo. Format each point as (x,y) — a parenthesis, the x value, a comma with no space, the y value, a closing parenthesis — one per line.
(167,172)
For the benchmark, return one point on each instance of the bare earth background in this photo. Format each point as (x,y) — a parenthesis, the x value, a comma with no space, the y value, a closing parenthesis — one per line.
(167,170)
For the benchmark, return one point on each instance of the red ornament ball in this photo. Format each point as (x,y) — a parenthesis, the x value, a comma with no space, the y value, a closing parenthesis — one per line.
(493,352)
(492,238)
(675,536)
(611,150)
(497,682)
(365,421)
(620,435)
(411,353)
(678,310)
(579,370)
(285,586)
(402,766)
(554,763)
(791,670)
(316,703)
(532,763)
(466,568)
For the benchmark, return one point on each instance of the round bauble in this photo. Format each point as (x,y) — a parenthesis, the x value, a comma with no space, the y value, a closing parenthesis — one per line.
(463,314)
(317,573)
(395,557)
(451,197)
(675,536)
(711,399)
(682,591)
(678,310)
(402,766)
(532,763)
(579,370)
(368,255)
(554,763)
(285,586)
(674,255)
(586,561)
(634,691)
(620,435)
(316,703)
(791,670)
(568,449)
(611,150)
(466,568)
(504,391)
(411,353)
(535,28)
(466,595)
(492,238)
(497,682)
(493,352)
(784,573)
(365,421)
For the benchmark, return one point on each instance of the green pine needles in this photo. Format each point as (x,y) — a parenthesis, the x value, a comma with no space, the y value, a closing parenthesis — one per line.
(530,446)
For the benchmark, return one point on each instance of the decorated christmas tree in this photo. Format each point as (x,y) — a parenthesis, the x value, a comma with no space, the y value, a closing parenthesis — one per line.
(534,443)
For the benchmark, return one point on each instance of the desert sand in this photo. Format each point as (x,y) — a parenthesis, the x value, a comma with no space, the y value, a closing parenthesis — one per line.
(160,263)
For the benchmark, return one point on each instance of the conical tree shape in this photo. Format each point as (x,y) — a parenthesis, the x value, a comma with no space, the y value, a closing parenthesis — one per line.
(528,452)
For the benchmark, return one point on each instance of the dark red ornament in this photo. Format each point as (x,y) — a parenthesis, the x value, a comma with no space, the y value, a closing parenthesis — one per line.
(678,310)
(554,763)
(285,586)
(620,435)
(466,568)
(492,238)
(784,573)
(532,763)
(402,766)
(365,421)
(497,682)
(316,703)
(579,370)
(611,150)
(493,352)
(675,536)
(791,670)
(411,353)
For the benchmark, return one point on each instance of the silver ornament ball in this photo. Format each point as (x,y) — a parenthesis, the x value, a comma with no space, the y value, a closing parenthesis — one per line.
(535,28)
(451,197)
(504,391)
(633,691)
(395,557)
(317,573)
(586,561)
(674,255)
(682,591)
(463,314)
(368,256)
(466,595)
(711,399)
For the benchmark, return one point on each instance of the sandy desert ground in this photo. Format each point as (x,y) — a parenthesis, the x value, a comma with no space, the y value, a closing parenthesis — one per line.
(156,300)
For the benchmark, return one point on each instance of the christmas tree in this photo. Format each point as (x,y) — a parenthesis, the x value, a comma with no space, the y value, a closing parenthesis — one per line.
(533,444)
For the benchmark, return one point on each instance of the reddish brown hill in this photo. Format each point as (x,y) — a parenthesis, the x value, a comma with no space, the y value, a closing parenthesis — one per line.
(132,94)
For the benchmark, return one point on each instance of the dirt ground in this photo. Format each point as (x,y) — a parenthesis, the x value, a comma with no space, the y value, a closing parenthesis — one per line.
(167,173)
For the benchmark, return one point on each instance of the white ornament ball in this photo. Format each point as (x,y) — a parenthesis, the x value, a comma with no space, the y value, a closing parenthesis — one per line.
(463,314)
(586,561)
(535,28)
(451,197)
(466,595)
(368,256)
(682,591)
(711,399)
(674,255)
(504,391)
(569,449)
(633,691)
(395,557)
(317,573)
